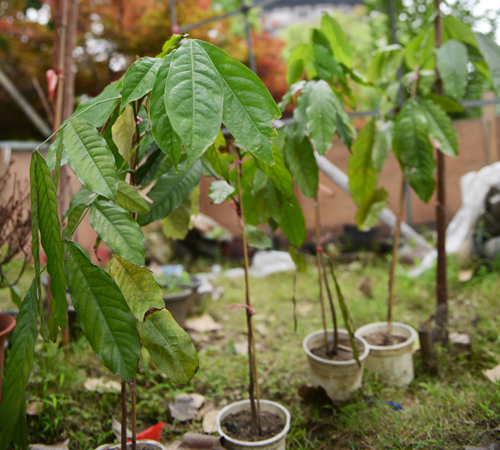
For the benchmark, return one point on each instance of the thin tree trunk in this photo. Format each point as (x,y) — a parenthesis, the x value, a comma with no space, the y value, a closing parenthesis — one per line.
(134,418)
(332,310)
(319,252)
(394,261)
(440,331)
(124,415)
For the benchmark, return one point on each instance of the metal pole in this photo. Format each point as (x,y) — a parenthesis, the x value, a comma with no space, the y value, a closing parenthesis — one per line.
(248,32)
(174,26)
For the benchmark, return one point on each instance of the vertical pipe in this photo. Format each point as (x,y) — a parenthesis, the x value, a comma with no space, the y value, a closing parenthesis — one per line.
(248,33)
(440,331)
(174,26)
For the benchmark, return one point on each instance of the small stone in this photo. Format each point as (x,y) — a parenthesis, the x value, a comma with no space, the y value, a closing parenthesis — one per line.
(183,409)
(209,425)
(198,400)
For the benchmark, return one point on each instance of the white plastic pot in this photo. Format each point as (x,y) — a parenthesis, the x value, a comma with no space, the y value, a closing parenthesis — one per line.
(393,363)
(338,378)
(156,444)
(277,442)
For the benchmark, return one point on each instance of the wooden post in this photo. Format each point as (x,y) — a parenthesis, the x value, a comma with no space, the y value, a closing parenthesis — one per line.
(490,128)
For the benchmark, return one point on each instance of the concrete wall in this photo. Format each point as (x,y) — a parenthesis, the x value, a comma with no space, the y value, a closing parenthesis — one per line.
(337,207)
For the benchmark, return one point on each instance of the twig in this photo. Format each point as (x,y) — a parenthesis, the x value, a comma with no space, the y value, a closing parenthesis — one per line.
(318,266)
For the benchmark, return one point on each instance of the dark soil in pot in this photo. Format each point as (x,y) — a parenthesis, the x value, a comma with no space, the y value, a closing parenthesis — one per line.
(382,340)
(239,426)
(344,350)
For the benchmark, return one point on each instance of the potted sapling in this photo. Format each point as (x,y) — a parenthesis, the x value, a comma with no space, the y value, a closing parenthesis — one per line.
(336,357)
(430,78)
(147,131)
(250,172)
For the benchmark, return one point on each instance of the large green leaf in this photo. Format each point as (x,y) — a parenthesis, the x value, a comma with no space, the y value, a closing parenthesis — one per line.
(300,111)
(219,191)
(257,238)
(491,54)
(302,164)
(73,220)
(102,313)
(90,158)
(220,161)
(456,29)
(361,172)
(170,191)
(324,62)
(129,198)
(385,64)
(165,136)
(292,222)
(295,64)
(382,145)
(117,228)
(370,209)
(137,285)
(82,197)
(452,62)
(321,116)
(123,131)
(249,109)
(420,50)
(147,171)
(446,103)
(17,371)
(278,173)
(194,98)
(99,113)
(440,127)
(170,346)
(139,79)
(338,39)
(413,149)
(50,232)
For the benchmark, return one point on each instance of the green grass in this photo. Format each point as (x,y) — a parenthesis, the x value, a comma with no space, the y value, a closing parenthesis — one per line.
(455,408)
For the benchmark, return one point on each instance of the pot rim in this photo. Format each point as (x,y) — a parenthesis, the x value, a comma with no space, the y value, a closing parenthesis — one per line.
(271,440)
(12,323)
(349,362)
(366,328)
(140,441)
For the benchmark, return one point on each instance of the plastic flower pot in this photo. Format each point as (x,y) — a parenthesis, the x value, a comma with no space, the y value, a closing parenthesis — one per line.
(277,442)
(393,363)
(7,324)
(180,303)
(338,378)
(143,444)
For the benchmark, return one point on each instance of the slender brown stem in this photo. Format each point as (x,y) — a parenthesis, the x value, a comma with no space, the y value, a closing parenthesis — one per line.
(319,252)
(131,384)
(332,309)
(440,332)
(252,357)
(124,415)
(43,99)
(394,261)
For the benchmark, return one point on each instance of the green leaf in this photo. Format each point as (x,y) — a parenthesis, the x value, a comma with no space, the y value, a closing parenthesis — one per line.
(452,62)
(147,171)
(385,64)
(59,157)
(278,173)
(249,109)
(50,232)
(170,346)
(219,191)
(171,190)
(292,222)
(446,103)
(321,116)
(139,79)
(370,209)
(117,228)
(82,197)
(440,127)
(299,259)
(123,131)
(291,91)
(361,172)
(344,131)
(193,98)
(491,54)
(455,29)
(338,39)
(90,158)
(324,62)
(300,111)
(171,43)
(53,153)
(17,371)
(295,65)
(129,198)
(98,114)
(220,161)
(178,223)
(345,314)
(137,285)
(103,313)
(165,136)
(413,149)
(257,238)
(420,50)
(15,296)
(302,164)
(382,145)
(73,220)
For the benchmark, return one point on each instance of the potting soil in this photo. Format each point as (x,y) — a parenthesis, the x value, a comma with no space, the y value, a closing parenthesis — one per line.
(382,340)
(344,350)
(239,426)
